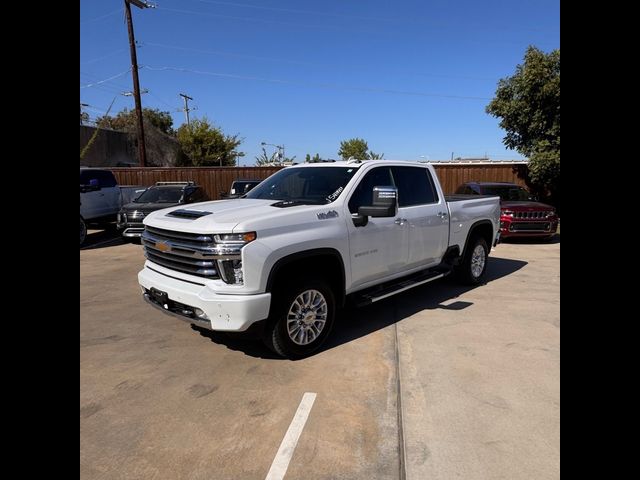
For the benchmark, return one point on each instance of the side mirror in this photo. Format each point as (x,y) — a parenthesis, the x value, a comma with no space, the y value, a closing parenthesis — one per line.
(92,186)
(384,204)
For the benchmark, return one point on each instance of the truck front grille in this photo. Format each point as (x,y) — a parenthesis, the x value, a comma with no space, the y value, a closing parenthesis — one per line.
(534,215)
(192,253)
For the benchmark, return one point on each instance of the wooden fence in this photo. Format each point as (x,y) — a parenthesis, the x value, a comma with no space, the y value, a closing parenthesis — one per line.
(452,176)
(214,180)
(218,179)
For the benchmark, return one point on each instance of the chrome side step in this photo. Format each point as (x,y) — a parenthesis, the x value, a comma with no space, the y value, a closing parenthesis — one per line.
(368,297)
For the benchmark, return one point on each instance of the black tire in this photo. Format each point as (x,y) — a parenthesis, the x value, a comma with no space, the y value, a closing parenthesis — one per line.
(467,272)
(276,335)
(83,231)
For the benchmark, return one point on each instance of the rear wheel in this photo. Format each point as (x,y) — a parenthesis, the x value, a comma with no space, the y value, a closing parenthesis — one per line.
(83,231)
(474,263)
(302,317)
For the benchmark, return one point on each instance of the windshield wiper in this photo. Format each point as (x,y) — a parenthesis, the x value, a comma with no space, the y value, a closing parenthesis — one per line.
(294,203)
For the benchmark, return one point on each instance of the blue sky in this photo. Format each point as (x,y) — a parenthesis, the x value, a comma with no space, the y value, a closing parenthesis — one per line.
(413,78)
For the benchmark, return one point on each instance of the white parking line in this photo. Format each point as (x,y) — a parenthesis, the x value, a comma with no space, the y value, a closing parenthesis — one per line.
(290,440)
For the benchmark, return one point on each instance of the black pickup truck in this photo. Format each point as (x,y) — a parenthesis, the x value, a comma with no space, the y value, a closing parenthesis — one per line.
(239,188)
(161,195)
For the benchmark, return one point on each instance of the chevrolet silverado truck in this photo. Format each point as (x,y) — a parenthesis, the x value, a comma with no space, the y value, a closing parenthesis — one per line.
(283,259)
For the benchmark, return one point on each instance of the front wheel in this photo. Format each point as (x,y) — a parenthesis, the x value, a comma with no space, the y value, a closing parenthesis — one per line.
(474,263)
(302,317)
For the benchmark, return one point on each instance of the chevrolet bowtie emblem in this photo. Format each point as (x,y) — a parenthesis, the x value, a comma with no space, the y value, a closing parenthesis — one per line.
(163,246)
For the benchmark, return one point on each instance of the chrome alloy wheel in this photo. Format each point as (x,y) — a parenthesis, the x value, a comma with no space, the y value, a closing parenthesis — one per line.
(478,259)
(307,317)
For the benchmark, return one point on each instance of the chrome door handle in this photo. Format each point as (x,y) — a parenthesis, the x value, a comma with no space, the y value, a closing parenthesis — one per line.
(443,214)
(400,221)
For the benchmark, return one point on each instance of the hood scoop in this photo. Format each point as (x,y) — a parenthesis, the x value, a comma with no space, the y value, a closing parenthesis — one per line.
(184,213)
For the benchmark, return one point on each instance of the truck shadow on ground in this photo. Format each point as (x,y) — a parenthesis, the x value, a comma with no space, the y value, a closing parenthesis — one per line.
(353,323)
(532,240)
(102,238)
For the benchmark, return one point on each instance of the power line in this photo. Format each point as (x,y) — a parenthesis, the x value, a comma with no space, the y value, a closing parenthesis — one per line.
(316,85)
(231,54)
(304,12)
(106,79)
(333,28)
(110,84)
(101,16)
(262,20)
(294,62)
(162,101)
(400,21)
(103,57)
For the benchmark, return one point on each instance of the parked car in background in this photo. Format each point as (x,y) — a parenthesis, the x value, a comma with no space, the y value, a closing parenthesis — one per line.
(101,197)
(239,188)
(161,195)
(521,215)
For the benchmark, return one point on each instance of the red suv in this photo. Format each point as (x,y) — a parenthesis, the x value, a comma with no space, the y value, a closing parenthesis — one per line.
(521,214)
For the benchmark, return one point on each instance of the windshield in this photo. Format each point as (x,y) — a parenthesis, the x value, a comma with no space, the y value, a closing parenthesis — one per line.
(508,193)
(160,195)
(304,185)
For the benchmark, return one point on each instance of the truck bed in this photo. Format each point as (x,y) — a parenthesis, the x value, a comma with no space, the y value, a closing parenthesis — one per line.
(465,210)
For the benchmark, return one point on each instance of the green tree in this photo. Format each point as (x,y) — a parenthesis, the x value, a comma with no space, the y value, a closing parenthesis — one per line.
(309,159)
(206,145)
(264,158)
(355,148)
(528,104)
(358,149)
(126,120)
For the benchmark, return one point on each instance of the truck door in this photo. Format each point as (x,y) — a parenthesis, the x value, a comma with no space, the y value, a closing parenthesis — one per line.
(380,248)
(92,202)
(111,192)
(426,215)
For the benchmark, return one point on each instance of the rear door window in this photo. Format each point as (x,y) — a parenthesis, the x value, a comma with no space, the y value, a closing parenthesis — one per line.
(415,186)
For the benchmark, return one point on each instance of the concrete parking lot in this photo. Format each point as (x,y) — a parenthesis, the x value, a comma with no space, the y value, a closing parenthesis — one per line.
(438,382)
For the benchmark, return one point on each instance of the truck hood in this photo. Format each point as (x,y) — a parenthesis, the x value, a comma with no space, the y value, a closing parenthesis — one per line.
(223,216)
(147,207)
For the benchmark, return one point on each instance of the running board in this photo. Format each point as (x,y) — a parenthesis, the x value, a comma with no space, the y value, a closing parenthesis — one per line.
(368,297)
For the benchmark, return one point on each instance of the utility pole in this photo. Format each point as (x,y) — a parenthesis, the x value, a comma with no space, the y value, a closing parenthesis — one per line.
(142,151)
(186,99)
(452,156)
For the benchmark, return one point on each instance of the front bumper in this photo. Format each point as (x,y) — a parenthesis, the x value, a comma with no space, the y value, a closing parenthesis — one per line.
(231,313)
(526,228)
(133,231)
(131,226)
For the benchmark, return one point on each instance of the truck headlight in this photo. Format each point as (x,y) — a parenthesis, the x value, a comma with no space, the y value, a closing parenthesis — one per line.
(235,238)
(231,269)
(507,213)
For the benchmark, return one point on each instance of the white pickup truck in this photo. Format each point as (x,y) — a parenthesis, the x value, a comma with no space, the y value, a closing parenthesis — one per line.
(285,257)
(101,197)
